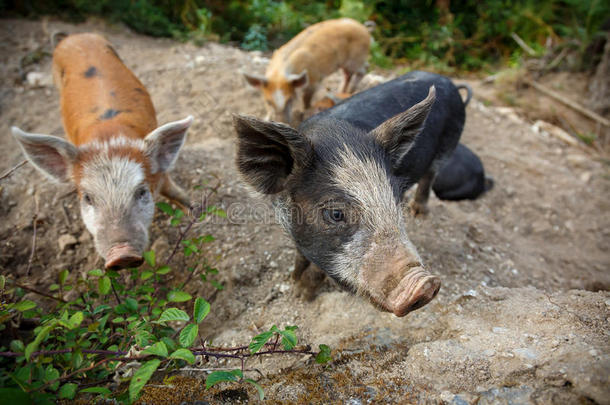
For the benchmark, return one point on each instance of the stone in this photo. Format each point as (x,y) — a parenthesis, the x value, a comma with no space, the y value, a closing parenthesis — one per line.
(66,241)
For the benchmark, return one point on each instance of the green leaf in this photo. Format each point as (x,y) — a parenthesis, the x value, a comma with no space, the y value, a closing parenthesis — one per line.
(201,309)
(14,396)
(173,314)
(63,275)
(77,359)
(158,349)
(149,257)
(67,391)
(183,354)
(131,304)
(165,207)
(97,390)
(323,355)
(100,308)
(24,305)
(174,222)
(44,331)
(76,319)
(289,337)
(261,393)
(222,376)
(141,377)
(96,273)
(51,374)
(178,296)
(146,275)
(259,341)
(178,213)
(171,345)
(2,282)
(163,270)
(188,335)
(103,285)
(17,346)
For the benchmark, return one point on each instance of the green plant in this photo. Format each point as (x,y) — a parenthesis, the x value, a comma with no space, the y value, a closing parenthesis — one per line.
(115,329)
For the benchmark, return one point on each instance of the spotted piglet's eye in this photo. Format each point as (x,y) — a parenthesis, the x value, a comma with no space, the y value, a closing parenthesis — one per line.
(141,193)
(87,199)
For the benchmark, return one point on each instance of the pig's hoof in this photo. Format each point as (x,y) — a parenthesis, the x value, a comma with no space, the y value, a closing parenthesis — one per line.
(305,292)
(418,209)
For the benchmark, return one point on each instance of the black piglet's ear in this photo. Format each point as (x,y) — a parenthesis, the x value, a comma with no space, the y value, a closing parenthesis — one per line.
(397,135)
(268,152)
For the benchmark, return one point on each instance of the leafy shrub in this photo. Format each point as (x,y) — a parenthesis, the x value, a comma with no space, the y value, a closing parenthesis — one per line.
(114,327)
(468,34)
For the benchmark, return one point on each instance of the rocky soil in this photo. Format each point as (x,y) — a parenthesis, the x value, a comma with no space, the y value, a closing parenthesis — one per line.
(523,313)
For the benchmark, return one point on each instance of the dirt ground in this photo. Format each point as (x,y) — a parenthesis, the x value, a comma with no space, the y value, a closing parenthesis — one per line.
(523,313)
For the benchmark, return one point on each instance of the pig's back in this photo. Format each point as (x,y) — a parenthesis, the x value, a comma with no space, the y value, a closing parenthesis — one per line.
(98,91)
(323,47)
(368,109)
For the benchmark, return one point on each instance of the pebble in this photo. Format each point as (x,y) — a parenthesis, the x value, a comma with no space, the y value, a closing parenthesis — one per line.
(525,353)
(65,241)
(497,329)
(39,79)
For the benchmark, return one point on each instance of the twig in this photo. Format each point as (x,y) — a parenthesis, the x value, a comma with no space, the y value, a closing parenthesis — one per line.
(34,224)
(522,44)
(10,171)
(573,105)
(119,355)
(553,64)
(116,295)
(30,289)
(193,221)
(180,239)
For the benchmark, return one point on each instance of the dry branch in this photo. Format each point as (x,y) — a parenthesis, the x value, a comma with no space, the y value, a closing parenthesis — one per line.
(573,105)
(10,171)
(522,44)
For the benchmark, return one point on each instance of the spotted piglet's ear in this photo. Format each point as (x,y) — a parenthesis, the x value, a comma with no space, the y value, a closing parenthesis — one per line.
(51,155)
(164,143)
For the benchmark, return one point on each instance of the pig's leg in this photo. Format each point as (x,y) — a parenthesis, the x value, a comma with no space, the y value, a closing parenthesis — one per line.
(419,205)
(356,78)
(175,193)
(347,76)
(307,277)
(300,265)
(307,96)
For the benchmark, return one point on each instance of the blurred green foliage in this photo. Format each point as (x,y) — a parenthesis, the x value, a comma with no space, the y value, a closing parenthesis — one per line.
(443,34)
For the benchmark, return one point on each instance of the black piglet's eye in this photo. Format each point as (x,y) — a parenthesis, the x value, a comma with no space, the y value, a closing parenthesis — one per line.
(87,198)
(334,215)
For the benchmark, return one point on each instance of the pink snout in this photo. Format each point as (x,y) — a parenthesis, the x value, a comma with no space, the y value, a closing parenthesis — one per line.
(122,257)
(416,289)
